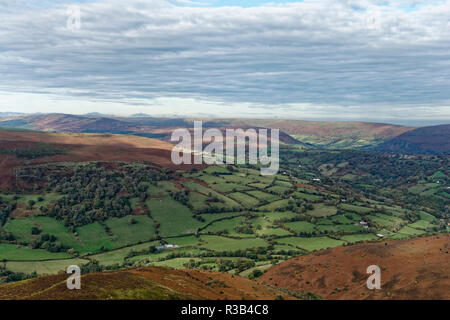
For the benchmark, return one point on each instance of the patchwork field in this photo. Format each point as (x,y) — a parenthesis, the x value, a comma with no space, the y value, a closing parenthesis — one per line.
(117,212)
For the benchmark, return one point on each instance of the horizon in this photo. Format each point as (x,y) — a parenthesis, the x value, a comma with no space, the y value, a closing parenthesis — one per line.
(406,123)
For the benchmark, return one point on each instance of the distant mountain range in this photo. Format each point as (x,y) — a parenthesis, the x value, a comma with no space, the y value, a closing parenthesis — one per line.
(378,137)
(10,114)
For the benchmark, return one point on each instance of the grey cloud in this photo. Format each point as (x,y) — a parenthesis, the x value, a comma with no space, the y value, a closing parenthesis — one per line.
(348,54)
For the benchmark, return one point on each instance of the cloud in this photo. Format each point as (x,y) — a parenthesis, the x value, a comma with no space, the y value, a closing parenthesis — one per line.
(352,57)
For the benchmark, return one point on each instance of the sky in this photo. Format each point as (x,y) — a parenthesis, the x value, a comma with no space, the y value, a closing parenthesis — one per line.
(369,60)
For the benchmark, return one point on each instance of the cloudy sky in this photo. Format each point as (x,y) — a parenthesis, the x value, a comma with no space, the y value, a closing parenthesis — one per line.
(371,60)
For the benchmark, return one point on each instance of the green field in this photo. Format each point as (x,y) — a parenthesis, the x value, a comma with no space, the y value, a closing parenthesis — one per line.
(219,212)
(275,205)
(19,253)
(263,196)
(217,243)
(301,227)
(357,209)
(94,238)
(44,267)
(130,230)
(244,199)
(352,238)
(312,244)
(175,219)
(322,210)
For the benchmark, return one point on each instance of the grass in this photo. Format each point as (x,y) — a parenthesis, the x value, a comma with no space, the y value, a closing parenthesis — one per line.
(357,209)
(188,241)
(426,216)
(322,210)
(48,198)
(228,187)
(283,183)
(198,201)
(20,228)
(341,219)
(94,238)
(279,215)
(210,217)
(339,227)
(301,226)
(218,243)
(278,190)
(245,200)
(44,267)
(422,224)
(118,256)
(301,195)
(174,218)
(57,228)
(385,220)
(227,202)
(273,232)
(227,224)
(260,195)
(352,238)
(20,253)
(407,230)
(176,263)
(312,244)
(155,257)
(127,233)
(275,205)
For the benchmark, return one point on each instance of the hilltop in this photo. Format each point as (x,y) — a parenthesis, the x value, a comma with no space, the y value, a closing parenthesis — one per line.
(426,140)
(154,283)
(78,147)
(410,269)
(323,134)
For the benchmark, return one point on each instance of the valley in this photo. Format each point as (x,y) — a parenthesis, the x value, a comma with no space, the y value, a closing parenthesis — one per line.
(111,202)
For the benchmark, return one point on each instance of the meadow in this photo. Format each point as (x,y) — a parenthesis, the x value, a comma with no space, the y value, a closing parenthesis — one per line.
(201,218)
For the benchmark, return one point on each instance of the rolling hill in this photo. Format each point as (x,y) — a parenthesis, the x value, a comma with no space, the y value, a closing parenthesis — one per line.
(331,135)
(150,283)
(78,147)
(410,269)
(425,140)
(322,134)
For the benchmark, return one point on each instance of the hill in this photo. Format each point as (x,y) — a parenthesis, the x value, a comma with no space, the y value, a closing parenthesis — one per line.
(331,135)
(426,140)
(155,283)
(77,147)
(411,269)
(323,134)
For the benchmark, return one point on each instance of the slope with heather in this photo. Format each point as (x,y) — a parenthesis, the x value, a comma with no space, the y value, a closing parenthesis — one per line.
(410,269)
(426,140)
(324,134)
(75,147)
(142,284)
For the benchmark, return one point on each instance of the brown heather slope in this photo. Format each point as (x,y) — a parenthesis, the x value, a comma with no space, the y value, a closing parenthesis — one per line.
(425,140)
(410,269)
(82,147)
(328,128)
(75,123)
(155,283)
